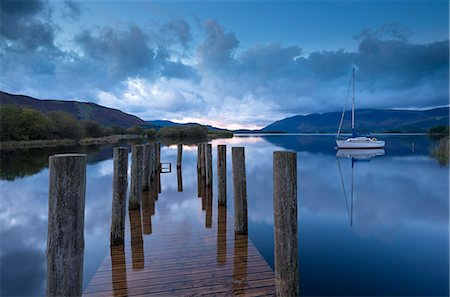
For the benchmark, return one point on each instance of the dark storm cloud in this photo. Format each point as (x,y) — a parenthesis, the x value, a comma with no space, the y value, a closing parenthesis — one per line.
(123,52)
(24,24)
(395,64)
(218,46)
(176,31)
(269,60)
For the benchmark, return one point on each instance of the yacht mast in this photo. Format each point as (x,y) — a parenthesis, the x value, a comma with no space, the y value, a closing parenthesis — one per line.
(353,104)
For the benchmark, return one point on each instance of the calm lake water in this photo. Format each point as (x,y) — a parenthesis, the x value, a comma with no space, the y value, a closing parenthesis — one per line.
(390,239)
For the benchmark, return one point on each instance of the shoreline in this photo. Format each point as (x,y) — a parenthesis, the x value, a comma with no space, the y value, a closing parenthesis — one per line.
(23,144)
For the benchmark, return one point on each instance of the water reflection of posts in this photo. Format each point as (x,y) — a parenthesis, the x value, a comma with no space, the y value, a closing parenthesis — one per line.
(137,248)
(222,235)
(137,153)
(147,212)
(209,191)
(119,270)
(240,260)
(179,174)
(146,167)
(65,237)
(222,174)
(120,185)
(285,223)
(240,190)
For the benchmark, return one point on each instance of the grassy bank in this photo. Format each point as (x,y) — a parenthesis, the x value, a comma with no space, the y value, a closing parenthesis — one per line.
(11,145)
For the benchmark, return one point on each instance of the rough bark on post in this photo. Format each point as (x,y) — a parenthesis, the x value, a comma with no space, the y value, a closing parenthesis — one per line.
(199,188)
(239,190)
(120,185)
(158,166)
(202,171)
(146,167)
(65,237)
(285,223)
(137,152)
(222,174)
(209,165)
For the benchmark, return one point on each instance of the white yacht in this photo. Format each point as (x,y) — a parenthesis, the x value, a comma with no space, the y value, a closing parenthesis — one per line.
(356,142)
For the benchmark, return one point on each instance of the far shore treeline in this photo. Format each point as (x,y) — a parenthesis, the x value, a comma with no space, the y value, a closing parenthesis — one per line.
(26,124)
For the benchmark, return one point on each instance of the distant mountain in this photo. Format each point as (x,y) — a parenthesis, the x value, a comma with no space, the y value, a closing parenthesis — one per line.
(157,124)
(80,110)
(366,120)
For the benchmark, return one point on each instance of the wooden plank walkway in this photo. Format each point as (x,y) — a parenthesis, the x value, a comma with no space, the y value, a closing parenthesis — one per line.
(182,251)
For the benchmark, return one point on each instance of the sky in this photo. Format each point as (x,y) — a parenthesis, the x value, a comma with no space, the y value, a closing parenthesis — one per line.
(234,64)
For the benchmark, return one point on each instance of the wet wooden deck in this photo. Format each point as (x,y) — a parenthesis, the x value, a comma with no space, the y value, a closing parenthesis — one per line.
(182,251)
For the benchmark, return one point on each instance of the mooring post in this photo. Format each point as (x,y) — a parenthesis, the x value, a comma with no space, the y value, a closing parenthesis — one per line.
(209,165)
(158,166)
(199,188)
(222,174)
(239,190)
(146,167)
(137,152)
(203,174)
(285,223)
(65,236)
(120,185)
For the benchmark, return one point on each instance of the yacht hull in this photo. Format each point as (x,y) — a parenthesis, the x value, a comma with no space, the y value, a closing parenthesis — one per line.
(363,144)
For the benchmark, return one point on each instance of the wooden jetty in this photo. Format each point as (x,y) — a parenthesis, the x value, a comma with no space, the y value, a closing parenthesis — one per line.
(170,251)
(175,247)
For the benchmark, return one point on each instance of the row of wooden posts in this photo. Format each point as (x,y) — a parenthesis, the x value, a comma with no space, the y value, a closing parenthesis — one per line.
(67,187)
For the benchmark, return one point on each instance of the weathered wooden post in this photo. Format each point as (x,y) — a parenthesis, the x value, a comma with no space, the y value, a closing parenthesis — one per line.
(158,166)
(65,237)
(153,169)
(209,165)
(208,185)
(222,174)
(199,152)
(239,190)
(285,223)
(146,167)
(120,185)
(137,152)
(203,175)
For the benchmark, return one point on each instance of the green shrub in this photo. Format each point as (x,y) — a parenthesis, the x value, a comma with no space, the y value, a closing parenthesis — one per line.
(440,151)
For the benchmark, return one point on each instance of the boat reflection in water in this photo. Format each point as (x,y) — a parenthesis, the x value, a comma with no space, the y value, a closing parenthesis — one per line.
(356,155)
(359,154)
